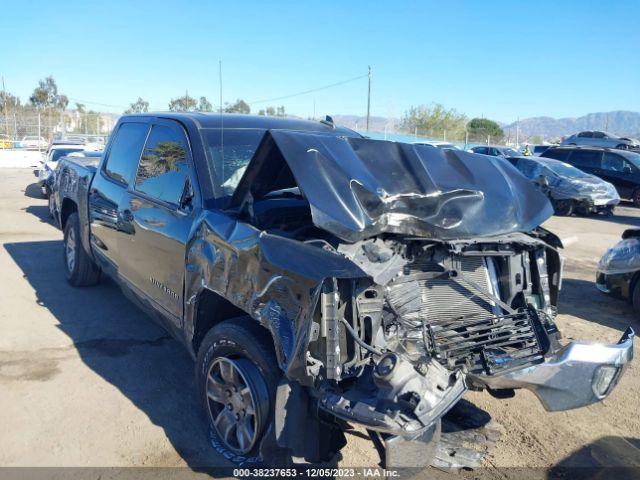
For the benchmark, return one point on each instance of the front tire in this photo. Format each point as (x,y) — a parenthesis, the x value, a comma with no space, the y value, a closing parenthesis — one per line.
(78,265)
(237,375)
(563,207)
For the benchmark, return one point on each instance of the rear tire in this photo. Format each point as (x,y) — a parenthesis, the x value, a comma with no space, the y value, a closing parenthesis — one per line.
(78,265)
(563,207)
(240,345)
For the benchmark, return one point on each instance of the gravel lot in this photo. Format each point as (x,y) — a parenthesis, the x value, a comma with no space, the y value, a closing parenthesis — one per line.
(87,380)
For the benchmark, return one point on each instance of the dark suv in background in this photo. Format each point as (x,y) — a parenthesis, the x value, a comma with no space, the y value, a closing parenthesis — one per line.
(619,167)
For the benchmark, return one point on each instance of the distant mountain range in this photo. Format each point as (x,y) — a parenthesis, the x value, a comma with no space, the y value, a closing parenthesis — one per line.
(619,122)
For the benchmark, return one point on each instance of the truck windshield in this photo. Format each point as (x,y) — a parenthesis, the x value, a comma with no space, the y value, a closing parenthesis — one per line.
(228,154)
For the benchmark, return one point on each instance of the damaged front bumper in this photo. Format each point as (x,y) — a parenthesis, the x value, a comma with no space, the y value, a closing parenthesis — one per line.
(407,403)
(577,375)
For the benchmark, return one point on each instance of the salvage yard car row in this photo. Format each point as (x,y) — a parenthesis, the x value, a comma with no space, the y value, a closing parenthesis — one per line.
(308,269)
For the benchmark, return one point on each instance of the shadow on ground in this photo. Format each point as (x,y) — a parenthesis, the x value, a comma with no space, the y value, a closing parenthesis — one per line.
(123,346)
(33,191)
(606,458)
(580,298)
(41,212)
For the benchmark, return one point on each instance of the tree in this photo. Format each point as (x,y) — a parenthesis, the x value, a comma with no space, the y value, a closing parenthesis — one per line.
(139,106)
(483,127)
(204,105)
(183,104)
(10,102)
(434,119)
(62,102)
(46,96)
(80,107)
(261,112)
(271,111)
(239,107)
(280,111)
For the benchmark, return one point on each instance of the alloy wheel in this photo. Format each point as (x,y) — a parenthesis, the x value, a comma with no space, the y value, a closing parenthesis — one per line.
(70,249)
(237,400)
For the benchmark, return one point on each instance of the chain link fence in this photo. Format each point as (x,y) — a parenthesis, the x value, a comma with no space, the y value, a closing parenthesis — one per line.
(35,130)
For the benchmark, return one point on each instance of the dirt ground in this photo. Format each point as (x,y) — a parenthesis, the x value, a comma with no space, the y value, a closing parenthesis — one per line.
(87,380)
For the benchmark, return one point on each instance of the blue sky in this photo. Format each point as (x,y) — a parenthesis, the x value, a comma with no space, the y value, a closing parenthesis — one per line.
(499,59)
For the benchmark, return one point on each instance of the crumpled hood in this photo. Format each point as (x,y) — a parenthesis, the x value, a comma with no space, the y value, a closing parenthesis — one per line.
(358,188)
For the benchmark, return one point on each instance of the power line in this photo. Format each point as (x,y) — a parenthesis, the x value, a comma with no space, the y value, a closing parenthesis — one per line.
(96,103)
(309,91)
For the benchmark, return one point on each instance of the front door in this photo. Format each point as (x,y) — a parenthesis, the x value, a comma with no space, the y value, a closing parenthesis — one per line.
(161,208)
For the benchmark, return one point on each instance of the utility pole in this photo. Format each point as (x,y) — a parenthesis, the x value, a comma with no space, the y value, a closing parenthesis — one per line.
(518,132)
(4,107)
(369,99)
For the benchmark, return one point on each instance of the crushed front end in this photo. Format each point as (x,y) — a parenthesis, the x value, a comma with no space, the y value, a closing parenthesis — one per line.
(395,351)
(395,277)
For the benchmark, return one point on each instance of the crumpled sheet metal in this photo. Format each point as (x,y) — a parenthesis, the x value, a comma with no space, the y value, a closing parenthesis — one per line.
(623,257)
(275,279)
(358,188)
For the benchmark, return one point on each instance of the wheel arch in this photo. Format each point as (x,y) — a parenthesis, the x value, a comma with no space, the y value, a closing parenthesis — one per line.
(210,310)
(67,208)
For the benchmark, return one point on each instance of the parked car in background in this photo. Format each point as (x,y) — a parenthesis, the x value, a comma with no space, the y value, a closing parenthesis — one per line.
(336,281)
(442,145)
(33,142)
(56,151)
(496,151)
(600,139)
(538,150)
(618,271)
(88,159)
(569,189)
(619,167)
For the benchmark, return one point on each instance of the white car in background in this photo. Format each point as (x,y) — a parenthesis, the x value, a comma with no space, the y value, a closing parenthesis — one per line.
(437,144)
(48,164)
(33,142)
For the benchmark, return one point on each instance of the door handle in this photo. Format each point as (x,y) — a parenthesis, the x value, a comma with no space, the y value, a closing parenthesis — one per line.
(127,216)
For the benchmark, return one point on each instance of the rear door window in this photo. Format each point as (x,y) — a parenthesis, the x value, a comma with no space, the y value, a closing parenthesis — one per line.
(586,158)
(482,150)
(585,135)
(557,154)
(125,150)
(164,164)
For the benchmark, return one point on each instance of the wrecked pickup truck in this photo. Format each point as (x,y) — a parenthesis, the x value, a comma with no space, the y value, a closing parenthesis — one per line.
(321,279)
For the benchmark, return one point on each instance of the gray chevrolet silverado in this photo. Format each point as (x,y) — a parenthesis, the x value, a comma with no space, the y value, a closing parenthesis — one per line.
(321,279)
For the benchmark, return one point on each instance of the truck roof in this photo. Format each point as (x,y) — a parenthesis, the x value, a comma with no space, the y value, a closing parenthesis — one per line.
(231,120)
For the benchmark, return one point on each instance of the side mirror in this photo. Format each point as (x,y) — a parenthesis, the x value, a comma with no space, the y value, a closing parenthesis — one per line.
(627,169)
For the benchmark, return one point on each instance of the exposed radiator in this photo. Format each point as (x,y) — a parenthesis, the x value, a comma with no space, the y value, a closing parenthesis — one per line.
(463,328)
(415,297)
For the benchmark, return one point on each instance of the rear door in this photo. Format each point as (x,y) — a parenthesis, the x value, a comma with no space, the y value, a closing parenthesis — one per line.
(160,208)
(107,193)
